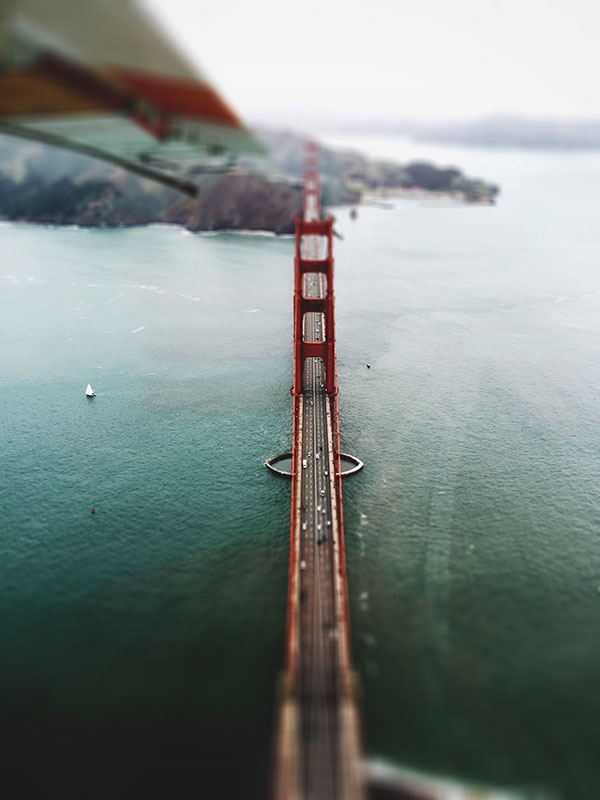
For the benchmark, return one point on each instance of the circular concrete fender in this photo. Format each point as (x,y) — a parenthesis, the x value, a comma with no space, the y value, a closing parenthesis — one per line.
(271,463)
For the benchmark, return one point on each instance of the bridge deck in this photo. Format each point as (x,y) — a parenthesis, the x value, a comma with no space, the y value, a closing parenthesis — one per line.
(318,744)
(318,627)
(326,735)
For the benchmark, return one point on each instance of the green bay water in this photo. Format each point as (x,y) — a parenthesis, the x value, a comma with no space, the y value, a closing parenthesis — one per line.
(151,633)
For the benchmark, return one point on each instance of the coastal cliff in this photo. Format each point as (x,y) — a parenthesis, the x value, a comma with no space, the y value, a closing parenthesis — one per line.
(238,202)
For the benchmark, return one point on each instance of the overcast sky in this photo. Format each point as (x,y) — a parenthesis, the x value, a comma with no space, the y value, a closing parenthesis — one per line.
(385,59)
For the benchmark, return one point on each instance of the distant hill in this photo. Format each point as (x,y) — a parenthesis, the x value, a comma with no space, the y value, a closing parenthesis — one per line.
(51,186)
(499,131)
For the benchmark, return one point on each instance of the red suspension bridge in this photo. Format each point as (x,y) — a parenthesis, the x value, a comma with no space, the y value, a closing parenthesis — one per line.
(318,729)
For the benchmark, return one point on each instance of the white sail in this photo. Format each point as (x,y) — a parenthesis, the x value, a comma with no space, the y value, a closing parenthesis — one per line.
(89,391)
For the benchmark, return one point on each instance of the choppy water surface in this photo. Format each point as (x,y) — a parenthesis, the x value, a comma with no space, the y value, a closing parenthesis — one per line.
(153,630)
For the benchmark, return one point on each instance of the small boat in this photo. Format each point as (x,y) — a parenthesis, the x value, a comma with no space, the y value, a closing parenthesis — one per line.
(89,392)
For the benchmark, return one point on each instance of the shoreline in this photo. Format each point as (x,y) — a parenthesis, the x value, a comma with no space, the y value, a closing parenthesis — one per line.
(373,199)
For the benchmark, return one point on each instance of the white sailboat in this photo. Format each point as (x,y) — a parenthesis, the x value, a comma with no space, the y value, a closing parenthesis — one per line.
(89,392)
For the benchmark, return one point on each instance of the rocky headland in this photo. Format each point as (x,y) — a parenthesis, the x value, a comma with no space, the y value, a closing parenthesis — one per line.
(49,186)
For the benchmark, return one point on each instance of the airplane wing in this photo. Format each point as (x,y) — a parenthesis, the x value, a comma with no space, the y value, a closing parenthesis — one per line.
(100,78)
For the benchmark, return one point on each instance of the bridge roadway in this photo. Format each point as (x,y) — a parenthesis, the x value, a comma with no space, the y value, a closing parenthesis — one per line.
(325,727)
(318,752)
(317,628)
